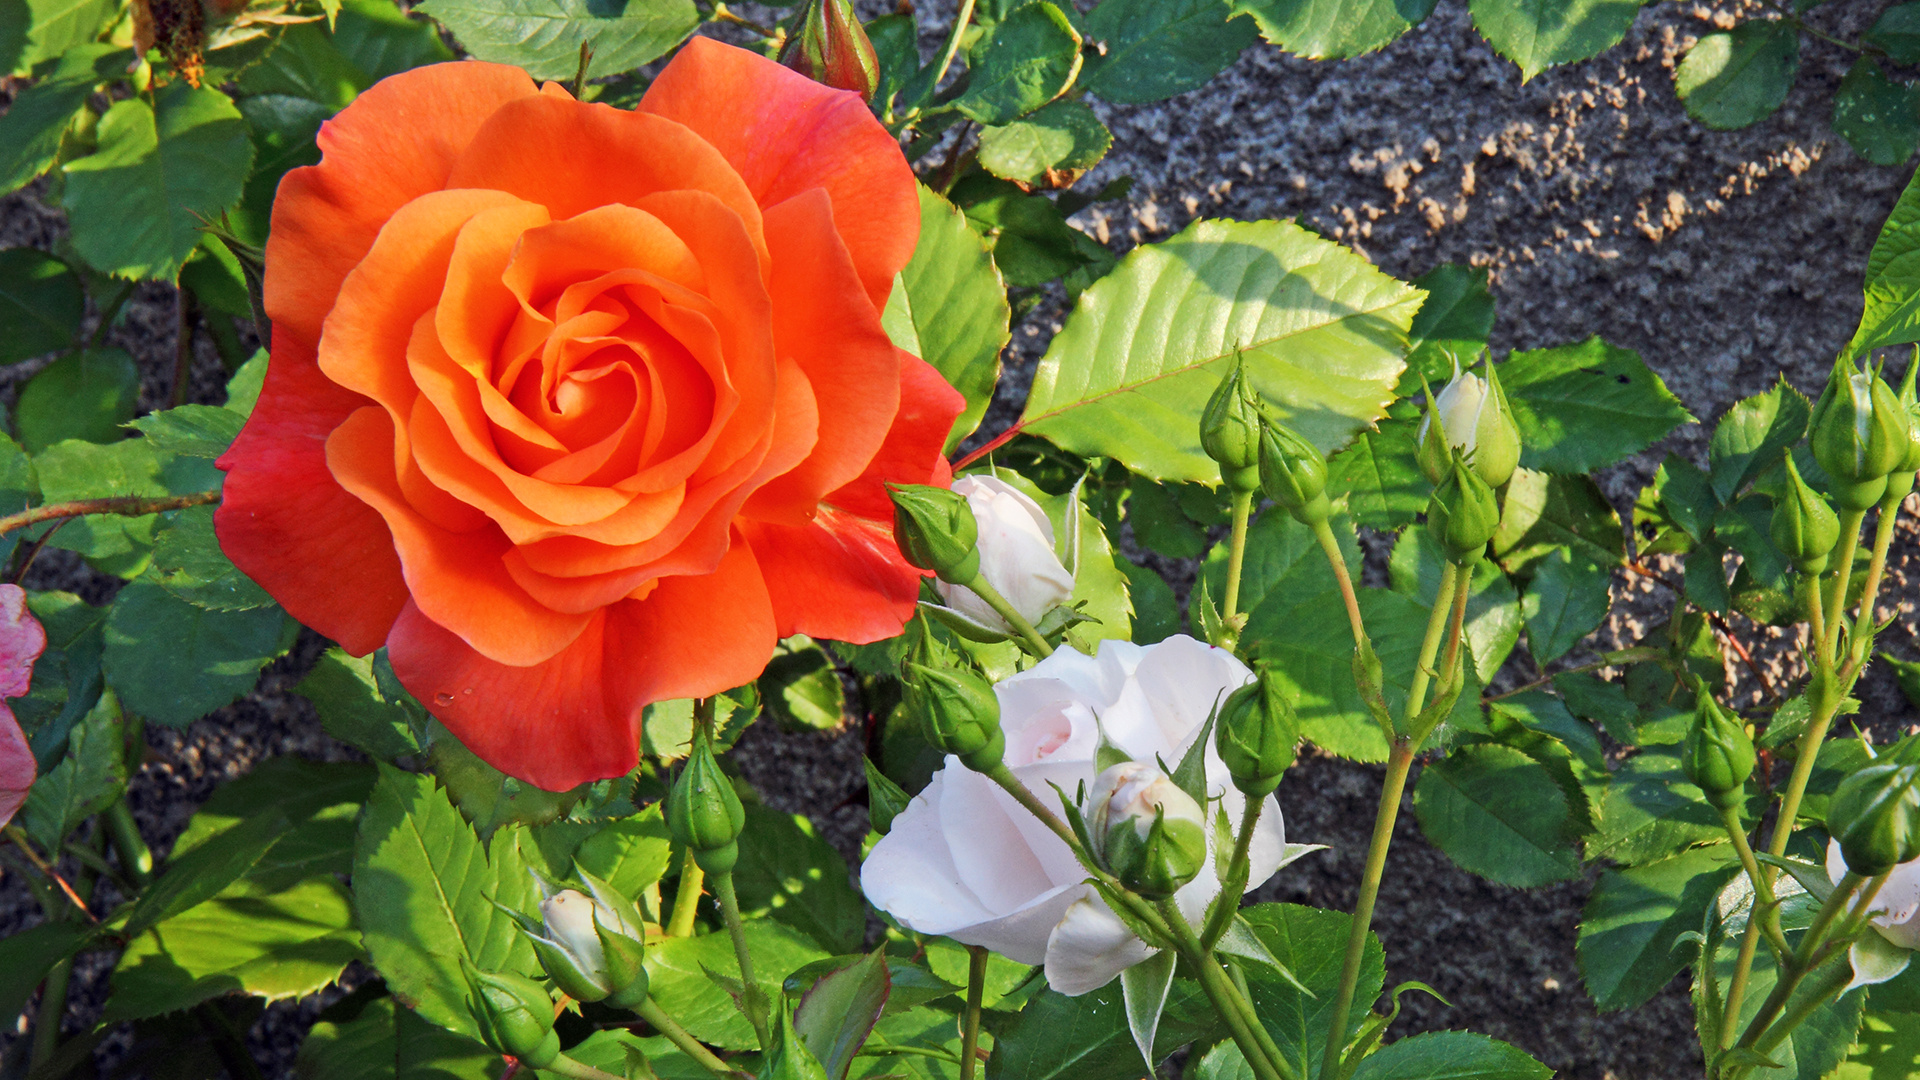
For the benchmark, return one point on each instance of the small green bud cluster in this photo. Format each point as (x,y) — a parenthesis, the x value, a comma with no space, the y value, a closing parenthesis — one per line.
(704,812)
(1718,756)
(1256,451)
(1804,527)
(1255,734)
(936,531)
(1860,432)
(830,46)
(1230,430)
(958,711)
(1151,834)
(1464,513)
(515,1014)
(1875,816)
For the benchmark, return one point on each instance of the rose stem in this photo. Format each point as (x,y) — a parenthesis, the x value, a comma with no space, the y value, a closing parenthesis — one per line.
(1763,899)
(124,505)
(1803,961)
(1882,539)
(1399,762)
(575,1070)
(756,1002)
(1237,551)
(984,590)
(1843,575)
(1256,1045)
(652,1013)
(1323,532)
(976,988)
(686,900)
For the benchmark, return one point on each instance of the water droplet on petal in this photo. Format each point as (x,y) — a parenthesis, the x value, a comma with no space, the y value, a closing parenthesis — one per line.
(443,699)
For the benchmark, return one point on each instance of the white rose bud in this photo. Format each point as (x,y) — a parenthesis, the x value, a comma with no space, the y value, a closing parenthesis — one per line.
(1151,834)
(1016,555)
(569,917)
(1476,420)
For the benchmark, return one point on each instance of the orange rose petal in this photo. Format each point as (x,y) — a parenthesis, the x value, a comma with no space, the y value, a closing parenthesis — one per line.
(557,152)
(582,248)
(692,636)
(787,134)
(840,577)
(551,724)
(456,579)
(822,321)
(911,454)
(396,142)
(475,310)
(286,523)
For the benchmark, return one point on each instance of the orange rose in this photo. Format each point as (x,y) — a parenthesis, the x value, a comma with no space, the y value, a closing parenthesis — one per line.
(577,409)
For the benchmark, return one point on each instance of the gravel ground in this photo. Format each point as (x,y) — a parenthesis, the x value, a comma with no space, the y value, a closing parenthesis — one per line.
(1726,259)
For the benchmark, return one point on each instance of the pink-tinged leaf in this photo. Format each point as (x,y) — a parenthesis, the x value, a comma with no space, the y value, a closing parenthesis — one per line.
(16,765)
(22,640)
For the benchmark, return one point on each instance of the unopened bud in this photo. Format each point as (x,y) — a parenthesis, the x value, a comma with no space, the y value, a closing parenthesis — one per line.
(1875,817)
(936,531)
(1805,528)
(1718,756)
(593,945)
(1230,430)
(1255,735)
(1293,472)
(704,811)
(959,713)
(516,1015)
(1859,432)
(829,46)
(1471,415)
(1463,513)
(1152,835)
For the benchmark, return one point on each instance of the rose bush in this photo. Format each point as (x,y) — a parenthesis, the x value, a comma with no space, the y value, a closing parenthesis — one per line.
(965,860)
(576,408)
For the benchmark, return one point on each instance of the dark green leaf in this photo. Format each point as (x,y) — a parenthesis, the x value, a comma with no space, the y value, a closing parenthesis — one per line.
(282,129)
(1159,525)
(201,431)
(1158,48)
(424,887)
(1897,32)
(1542,512)
(319,801)
(544,36)
(162,170)
(1651,811)
(33,31)
(1583,407)
(1312,943)
(1452,327)
(1754,435)
(93,774)
(1380,476)
(1450,1055)
(1564,603)
(1631,923)
(203,873)
(802,688)
(1031,240)
(354,708)
(188,562)
(84,395)
(41,300)
(667,731)
(1051,147)
(886,800)
(1539,34)
(489,798)
(680,985)
(173,662)
(1499,814)
(1493,621)
(1086,1038)
(629,854)
(66,678)
(1027,60)
(1605,703)
(1332,29)
(1156,611)
(1878,117)
(790,874)
(1284,566)
(1730,80)
(27,955)
(836,1015)
(388,1041)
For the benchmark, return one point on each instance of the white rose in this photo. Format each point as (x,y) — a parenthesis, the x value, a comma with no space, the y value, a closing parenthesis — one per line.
(967,861)
(1897,902)
(1016,555)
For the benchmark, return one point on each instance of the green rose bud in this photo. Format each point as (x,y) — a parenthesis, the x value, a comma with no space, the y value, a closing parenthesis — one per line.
(704,811)
(1230,430)
(936,531)
(1152,835)
(515,1014)
(1718,756)
(1900,480)
(1875,817)
(1471,415)
(829,46)
(593,945)
(1293,472)
(1805,528)
(1859,433)
(1463,513)
(1255,734)
(959,712)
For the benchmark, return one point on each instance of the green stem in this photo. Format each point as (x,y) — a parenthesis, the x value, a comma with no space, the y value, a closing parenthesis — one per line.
(1237,551)
(970,1031)
(136,859)
(1763,901)
(53,1009)
(1323,532)
(1816,602)
(575,1070)
(109,313)
(1832,978)
(1235,883)
(870,1050)
(1256,1045)
(1430,647)
(1857,642)
(1399,763)
(755,1000)
(984,590)
(686,900)
(1802,962)
(124,505)
(677,1035)
(1843,576)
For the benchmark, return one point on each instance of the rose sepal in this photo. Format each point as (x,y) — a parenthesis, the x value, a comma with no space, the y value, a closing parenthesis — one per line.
(1116,901)
(1369,675)
(515,1014)
(1240,939)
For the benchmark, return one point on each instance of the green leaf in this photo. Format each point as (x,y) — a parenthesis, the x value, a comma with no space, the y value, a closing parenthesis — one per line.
(788,873)
(74,470)
(27,955)
(423,887)
(678,968)
(1452,327)
(949,308)
(1493,621)
(1312,943)
(41,301)
(1634,918)
(1156,49)
(1334,29)
(1892,315)
(1730,80)
(387,1041)
(1542,513)
(66,678)
(488,798)
(1887,1046)
(667,729)
(136,206)
(802,688)
(1499,814)
(203,873)
(1086,1038)
(274,945)
(1156,612)
(33,127)
(1380,477)
(1651,811)
(1565,601)
(1321,331)
(174,662)
(355,708)
(93,774)
(1031,240)
(1284,566)
(318,802)
(1583,407)
(188,563)
(835,1017)
(544,36)
(1539,34)
(282,128)
(1027,60)
(1818,1044)
(1450,1055)
(629,854)
(1753,436)
(85,395)
(200,431)
(1878,117)
(1051,147)
(1897,33)
(33,31)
